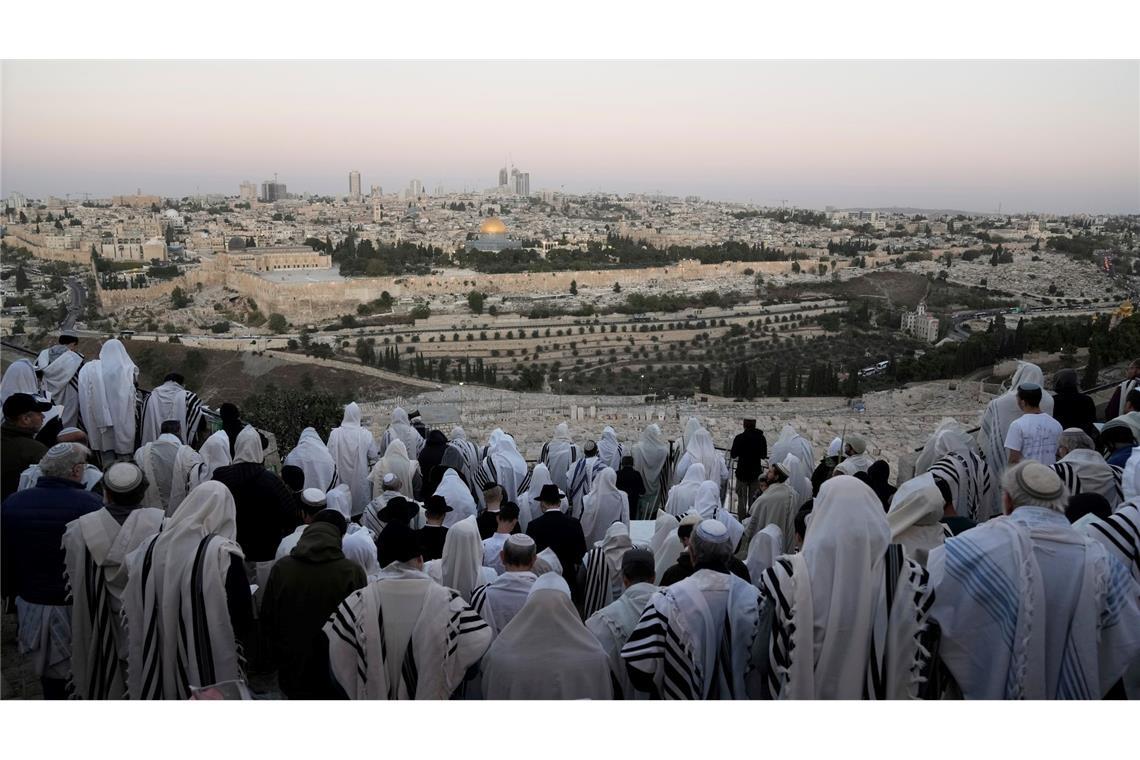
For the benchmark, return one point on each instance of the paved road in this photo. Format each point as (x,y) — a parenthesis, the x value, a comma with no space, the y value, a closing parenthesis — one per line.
(75,304)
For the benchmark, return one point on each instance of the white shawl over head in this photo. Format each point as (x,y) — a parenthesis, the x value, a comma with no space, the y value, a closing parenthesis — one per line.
(313,457)
(462,562)
(20,378)
(665,544)
(603,569)
(609,450)
(529,506)
(546,652)
(765,546)
(166,402)
(401,429)
(119,374)
(603,506)
(187,473)
(58,373)
(458,497)
(683,496)
(915,517)
(791,442)
(700,449)
(999,415)
(215,453)
(950,435)
(247,446)
(179,627)
(397,462)
(340,499)
(649,453)
(351,447)
(502,445)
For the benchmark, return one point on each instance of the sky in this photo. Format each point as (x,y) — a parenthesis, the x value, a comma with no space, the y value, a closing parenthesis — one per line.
(1051,136)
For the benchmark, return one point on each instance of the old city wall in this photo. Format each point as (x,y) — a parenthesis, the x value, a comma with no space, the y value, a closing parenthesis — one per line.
(112,300)
(69,255)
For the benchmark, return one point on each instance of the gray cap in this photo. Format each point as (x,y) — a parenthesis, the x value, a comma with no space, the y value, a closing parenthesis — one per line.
(122,477)
(1040,482)
(1029,387)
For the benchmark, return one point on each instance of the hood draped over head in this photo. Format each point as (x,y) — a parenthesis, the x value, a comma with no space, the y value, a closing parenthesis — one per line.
(247,447)
(915,516)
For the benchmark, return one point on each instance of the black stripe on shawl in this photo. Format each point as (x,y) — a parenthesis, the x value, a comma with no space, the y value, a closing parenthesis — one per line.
(1127,540)
(597,582)
(203,651)
(152,681)
(409,672)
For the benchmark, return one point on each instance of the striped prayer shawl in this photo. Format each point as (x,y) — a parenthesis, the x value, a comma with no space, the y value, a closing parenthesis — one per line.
(1071,477)
(598,581)
(970,483)
(102,676)
(581,482)
(1120,533)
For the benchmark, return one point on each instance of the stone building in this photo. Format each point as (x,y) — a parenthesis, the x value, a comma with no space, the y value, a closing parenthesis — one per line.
(920,324)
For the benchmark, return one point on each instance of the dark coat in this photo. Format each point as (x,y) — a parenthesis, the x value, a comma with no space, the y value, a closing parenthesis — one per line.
(630,483)
(19,449)
(303,590)
(430,458)
(555,530)
(266,508)
(1075,410)
(33,522)
(749,448)
(684,568)
(431,541)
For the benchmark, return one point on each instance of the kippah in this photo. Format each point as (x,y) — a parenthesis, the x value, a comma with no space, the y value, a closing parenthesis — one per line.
(389,478)
(637,562)
(784,468)
(122,477)
(691,518)
(520,540)
(313,497)
(1040,482)
(1029,387)
(857,443)
(712,530)
(68,431)
(57,451)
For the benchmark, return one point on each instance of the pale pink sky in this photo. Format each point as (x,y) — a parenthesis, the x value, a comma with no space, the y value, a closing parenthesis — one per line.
(1035,136)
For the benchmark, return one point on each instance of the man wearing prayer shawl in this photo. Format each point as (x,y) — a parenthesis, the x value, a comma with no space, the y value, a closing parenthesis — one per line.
(462,456)
(313,457)
(581,477)
(431,461)
(683,496)
(700,450)
(1030,608)
(559,455)
(710,506)
(826,466)
(1083,470)
(403,636)
(849,611)
(373,517)
(665,544)
(999,415)
(265,509)
(857,458)
(353,450)
(59,368)
(96,546)
(529,505)
(156,460)
(401,429)
(613,624)
(396,462)
(791,442)
(107,400)
(699,638)
(546,652)
(603,506)
(20,377)
(777,505)
(187,605)
(458,497)
(602,569)
(461,566)
(503,464)
(1115,406)
(171,401)
(609,450)
(1119,533)
(559,531)
(915,517)
(500,600)
(649,456)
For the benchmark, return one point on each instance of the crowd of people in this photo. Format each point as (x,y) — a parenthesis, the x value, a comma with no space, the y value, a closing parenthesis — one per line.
(148,558)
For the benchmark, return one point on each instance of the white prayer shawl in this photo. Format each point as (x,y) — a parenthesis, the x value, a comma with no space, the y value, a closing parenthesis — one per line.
(313,457)
(352,449)
(502,464)
(950,435)
(1124,388)
(119,374)
(360,546)
(500,600)
(609,450)
(649,455)
(178,624)
(397,462)
(401,429)
(832,600)
(791,442)
(798,479)
(853,464)
(683,496)
(371,517)
(458,497)
(700,450)
(92,475)
(559,455)
(20,378)
(692,425)
(167,402)
(1120,534)
(665,544)
(187,473)
(603,506)
(776,506)
(56,382)
(699,638)
(915,517)
(340,499)
(530,508)
(612,626)
(247,446)
(91,401)
(546,652)
(96,548)
(463,456)
(968,477)
(581,477)
(992,593)
(1132,420)
(999,415)
(461,566)
(547,562)
(720,514)
(1085,471)
(603,569)
(766,545)
(156,459)
(447,637)
(215,453)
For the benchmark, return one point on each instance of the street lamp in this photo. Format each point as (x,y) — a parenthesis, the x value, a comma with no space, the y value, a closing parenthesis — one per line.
(559,393)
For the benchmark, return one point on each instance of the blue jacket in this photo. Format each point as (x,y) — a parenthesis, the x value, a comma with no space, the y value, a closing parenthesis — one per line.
(31,526)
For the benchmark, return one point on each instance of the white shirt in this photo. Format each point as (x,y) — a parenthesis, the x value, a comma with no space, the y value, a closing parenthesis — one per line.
(491,548)
(1035,436)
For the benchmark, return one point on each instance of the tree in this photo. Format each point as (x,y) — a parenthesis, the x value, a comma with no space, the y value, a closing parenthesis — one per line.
(617,287)
(179,299)
(277,323)
(22,282)
(475,301)
(795,267)
(420,311)
(573,287)
(1092,370)
(706,381)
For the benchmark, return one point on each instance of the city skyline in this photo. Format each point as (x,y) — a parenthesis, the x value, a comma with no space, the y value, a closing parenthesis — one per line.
(1050,137)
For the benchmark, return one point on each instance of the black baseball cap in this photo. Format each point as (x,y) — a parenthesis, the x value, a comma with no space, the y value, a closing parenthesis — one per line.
(22,403)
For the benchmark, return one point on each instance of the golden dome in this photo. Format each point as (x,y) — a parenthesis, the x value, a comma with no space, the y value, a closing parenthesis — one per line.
(492,225)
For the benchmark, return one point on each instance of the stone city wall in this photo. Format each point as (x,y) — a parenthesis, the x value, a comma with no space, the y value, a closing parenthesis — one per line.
(69,255)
